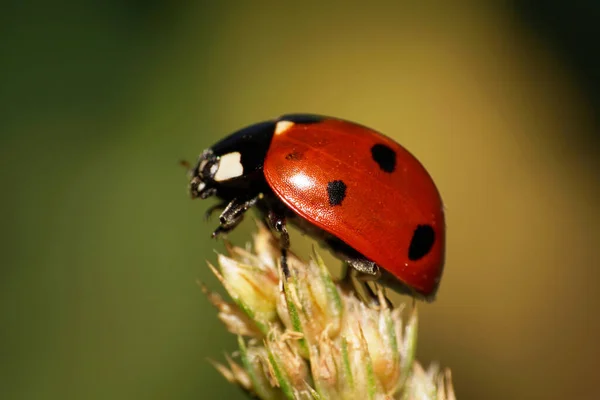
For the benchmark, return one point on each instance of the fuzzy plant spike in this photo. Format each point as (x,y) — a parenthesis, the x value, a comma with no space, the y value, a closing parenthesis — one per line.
(308,337)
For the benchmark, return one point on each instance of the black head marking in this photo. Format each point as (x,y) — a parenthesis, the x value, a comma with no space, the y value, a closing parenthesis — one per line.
(421,243)
(337,192)
(384,156)
(302,118)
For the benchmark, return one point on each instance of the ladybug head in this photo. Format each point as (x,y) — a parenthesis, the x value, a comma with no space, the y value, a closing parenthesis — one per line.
(202,183)
(221,175)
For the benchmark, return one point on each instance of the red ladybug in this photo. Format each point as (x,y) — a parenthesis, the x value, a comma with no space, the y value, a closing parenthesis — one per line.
(357,191)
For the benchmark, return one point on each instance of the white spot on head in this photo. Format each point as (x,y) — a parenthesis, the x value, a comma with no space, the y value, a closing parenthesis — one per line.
(229,166)
(213,169)
(283,126)
(201,186)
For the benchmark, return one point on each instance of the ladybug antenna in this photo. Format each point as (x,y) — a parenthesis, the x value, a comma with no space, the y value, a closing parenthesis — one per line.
(185,163)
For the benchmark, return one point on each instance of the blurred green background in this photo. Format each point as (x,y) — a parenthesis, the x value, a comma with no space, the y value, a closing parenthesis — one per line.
(101,247)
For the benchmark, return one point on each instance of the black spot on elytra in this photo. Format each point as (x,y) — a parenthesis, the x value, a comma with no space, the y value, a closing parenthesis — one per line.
(384,156)
(294,156)
(421,242)
(337,192)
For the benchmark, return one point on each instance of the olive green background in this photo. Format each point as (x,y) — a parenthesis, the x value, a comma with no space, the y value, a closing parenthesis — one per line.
(101,247)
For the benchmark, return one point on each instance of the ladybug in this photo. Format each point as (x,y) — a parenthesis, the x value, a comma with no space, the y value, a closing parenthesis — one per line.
(358,192)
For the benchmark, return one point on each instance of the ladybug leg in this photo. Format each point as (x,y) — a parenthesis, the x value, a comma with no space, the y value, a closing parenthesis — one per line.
(367,268)
(233,214)
(361,273)
(278,223)
(214,208)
